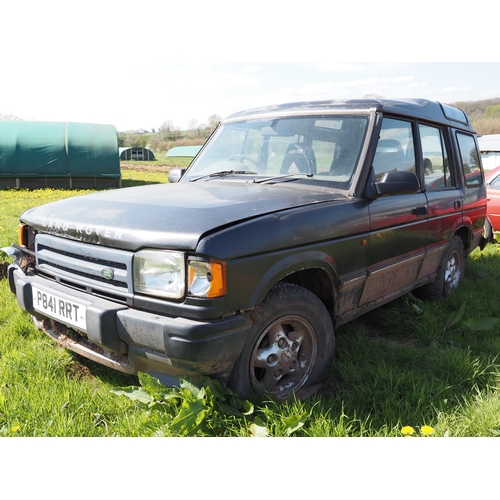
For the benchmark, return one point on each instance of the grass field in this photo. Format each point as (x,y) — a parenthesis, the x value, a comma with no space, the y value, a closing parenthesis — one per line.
(427,368)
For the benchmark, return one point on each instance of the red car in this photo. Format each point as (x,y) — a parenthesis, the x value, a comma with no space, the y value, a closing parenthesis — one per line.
(492,224)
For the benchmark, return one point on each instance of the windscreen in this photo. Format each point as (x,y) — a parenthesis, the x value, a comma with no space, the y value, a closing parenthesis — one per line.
(319,148)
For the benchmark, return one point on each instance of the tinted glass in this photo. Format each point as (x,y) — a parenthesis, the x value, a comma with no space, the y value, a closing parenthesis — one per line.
(470,160)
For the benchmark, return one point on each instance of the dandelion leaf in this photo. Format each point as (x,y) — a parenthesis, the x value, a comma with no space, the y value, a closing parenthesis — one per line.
(190,417)
(482,324)
(135,394)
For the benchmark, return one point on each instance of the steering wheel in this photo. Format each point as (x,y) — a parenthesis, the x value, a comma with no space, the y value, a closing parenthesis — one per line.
(243,157)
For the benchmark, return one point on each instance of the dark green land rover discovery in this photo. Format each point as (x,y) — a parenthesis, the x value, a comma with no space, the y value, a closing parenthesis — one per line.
(292,220)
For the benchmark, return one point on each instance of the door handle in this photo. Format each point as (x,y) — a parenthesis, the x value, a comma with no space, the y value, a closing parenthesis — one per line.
(457,204)
(419,211)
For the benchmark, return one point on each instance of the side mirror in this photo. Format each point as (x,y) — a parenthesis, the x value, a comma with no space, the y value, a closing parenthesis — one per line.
(396,182)
(175,175)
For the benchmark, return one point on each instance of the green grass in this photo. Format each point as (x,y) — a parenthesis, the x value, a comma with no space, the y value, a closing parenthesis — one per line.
(397,366)
(132,178)
(161,159)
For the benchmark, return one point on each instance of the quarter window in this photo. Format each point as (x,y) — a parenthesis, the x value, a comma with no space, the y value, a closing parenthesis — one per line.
(470,160)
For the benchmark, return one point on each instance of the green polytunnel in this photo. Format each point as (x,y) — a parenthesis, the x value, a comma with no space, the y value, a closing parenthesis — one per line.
(54,154)
(136,153)
(190,151)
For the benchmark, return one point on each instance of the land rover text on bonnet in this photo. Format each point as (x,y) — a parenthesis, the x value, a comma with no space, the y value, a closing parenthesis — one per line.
(292,220)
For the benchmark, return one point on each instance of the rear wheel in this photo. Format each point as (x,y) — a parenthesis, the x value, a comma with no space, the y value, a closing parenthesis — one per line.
(290,345)
(450,271)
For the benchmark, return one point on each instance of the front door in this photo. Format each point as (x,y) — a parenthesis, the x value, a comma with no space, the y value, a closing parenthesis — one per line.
(398,223)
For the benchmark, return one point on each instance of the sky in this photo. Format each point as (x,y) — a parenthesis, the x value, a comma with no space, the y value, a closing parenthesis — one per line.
(139,64)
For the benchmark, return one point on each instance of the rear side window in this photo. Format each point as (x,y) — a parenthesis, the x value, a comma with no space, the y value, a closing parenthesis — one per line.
(395,148)
(496,183)
(470,160)
(435,158)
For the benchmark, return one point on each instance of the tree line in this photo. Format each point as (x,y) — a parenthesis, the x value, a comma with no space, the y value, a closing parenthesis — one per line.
(484,115)
(168,135)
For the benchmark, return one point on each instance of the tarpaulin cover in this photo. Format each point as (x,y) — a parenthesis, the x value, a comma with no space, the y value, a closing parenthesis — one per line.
(53,149)
(184,151)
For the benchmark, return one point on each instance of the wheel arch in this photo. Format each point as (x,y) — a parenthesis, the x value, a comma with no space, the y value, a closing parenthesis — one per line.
(465,234)
(314,271)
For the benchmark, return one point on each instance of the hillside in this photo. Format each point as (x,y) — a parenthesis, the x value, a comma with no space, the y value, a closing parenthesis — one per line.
(484,114)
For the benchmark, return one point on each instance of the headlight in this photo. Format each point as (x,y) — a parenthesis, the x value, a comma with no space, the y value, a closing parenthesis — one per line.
(206,279)
(160,273)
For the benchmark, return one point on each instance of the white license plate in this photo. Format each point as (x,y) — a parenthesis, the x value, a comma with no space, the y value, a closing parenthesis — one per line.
(66,311)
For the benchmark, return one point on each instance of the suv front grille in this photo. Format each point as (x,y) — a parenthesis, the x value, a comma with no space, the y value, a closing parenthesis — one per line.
(84,266)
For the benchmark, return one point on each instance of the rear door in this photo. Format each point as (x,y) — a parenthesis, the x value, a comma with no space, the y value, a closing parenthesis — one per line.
(444,196)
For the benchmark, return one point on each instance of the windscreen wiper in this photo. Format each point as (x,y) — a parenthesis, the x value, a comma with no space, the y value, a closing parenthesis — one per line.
(223,173)
(279,177)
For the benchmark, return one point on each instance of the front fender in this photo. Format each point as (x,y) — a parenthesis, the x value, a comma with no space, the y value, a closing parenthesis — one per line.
(292,264)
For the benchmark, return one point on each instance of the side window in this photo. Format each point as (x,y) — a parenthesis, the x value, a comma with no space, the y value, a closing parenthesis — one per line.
(395,149)
(436,164)
(470,160)
(496,183)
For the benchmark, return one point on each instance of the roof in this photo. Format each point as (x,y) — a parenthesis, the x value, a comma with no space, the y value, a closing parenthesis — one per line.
(489,143)
(420,108)
(121,150)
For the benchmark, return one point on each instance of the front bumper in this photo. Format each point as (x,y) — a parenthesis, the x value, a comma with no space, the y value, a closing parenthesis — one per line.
(133,341)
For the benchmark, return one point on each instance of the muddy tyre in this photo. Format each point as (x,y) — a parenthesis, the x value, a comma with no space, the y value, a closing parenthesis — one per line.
(450,271)
(289,347)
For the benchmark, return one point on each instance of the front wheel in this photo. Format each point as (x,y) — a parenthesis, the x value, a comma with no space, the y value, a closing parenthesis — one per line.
(290,345)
